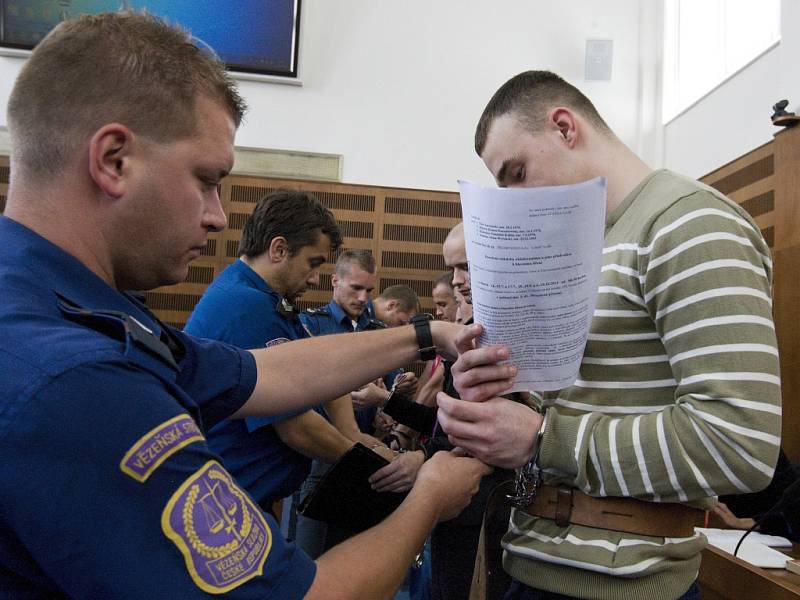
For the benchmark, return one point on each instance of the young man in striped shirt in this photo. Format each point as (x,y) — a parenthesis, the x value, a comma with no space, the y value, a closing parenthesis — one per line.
(678,396)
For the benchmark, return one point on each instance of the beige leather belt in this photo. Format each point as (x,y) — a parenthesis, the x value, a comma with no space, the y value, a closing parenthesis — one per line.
(566,506)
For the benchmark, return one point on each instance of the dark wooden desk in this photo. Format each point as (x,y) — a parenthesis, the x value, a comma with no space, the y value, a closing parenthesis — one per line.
(726,577)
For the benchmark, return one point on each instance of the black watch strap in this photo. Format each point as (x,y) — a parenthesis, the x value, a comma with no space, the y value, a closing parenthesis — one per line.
(422,326)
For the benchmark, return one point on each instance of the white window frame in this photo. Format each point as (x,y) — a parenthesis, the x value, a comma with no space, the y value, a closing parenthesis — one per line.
(675,99)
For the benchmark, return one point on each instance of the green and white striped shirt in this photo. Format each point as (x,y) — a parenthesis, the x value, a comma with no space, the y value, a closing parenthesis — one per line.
(678,396)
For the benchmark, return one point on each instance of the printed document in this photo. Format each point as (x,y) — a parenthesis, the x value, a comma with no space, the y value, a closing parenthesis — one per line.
(534,261)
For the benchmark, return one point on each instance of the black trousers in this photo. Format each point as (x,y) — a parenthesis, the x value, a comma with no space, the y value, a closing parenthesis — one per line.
(454,544)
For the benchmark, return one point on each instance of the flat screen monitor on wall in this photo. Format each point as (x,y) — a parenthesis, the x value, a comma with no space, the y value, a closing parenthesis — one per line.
(250,36)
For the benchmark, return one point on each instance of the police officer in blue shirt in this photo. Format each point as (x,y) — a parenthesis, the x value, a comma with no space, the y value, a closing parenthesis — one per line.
(122,130)
(285,241)
(350,310)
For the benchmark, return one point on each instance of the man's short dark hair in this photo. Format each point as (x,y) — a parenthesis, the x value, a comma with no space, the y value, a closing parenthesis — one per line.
(362,258)
(528,96)
(445,278)
(404,295)
(293,214)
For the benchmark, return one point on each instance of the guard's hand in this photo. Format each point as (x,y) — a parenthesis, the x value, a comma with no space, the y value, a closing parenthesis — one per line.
(498,431)
(405,384)
(476,374)
(452,480)
(369,395)
(400,475)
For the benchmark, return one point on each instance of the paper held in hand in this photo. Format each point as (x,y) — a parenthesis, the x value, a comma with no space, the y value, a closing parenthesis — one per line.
(534,260)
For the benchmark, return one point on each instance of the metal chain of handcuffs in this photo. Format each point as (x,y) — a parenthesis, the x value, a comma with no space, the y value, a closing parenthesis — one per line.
(529,478)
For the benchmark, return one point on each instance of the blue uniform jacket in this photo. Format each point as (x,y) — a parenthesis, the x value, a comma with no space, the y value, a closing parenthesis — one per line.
(107,486)
(240,308)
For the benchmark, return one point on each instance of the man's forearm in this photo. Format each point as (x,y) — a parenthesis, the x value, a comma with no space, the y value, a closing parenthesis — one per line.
(312,436)
(340,412)
(315,370)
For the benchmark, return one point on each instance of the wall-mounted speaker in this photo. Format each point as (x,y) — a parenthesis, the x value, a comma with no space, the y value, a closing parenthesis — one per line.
(599,55)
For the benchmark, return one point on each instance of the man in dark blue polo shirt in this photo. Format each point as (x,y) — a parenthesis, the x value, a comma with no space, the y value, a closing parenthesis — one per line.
(285,241)
(351,309)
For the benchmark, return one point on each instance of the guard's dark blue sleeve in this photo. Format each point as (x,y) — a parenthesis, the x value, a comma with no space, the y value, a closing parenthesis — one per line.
(254,324)
(111,490)
(219,377)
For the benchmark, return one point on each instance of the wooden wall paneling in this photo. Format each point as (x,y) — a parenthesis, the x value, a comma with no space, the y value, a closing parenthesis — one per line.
(415,225)
(787,328)
(787,188)
(753,166)
(787,284)
(750,182)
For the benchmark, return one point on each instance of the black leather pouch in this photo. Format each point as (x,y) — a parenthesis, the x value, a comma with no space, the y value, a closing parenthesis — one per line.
(344,496)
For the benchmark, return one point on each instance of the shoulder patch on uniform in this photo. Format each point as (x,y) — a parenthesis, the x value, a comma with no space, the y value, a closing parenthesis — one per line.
(218,528)
(321,311)
(157,445)
(276,342)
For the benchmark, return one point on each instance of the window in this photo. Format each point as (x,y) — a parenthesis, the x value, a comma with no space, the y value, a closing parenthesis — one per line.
(708,41)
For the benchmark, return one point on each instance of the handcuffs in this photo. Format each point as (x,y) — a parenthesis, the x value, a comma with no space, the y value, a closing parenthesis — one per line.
(529,477)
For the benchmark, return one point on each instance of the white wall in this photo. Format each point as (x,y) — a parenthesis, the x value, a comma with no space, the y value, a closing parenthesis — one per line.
(397,87)
(735,118)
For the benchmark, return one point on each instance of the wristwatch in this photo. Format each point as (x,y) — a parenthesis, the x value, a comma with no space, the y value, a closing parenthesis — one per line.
(422,326)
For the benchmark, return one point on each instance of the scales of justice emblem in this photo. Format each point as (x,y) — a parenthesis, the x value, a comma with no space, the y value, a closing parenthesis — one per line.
(218,528)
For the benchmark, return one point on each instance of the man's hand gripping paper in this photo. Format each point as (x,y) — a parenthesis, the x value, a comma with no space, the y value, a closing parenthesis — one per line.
(496,430)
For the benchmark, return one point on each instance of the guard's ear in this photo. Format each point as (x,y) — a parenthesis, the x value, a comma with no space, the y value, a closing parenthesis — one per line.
(109,158)
(564,121)
(278,249)
(334,279)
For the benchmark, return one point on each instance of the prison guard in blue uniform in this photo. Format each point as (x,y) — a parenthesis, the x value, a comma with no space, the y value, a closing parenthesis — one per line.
(240,308)
(107,486)
(313,536)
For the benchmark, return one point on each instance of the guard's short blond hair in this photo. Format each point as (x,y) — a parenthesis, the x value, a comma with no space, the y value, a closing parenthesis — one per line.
(355,256)
(126,67)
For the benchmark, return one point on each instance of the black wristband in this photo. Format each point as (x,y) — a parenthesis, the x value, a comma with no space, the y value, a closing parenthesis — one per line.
(422,326)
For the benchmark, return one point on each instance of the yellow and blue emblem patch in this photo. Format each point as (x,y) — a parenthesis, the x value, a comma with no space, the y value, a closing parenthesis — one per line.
(218,528)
